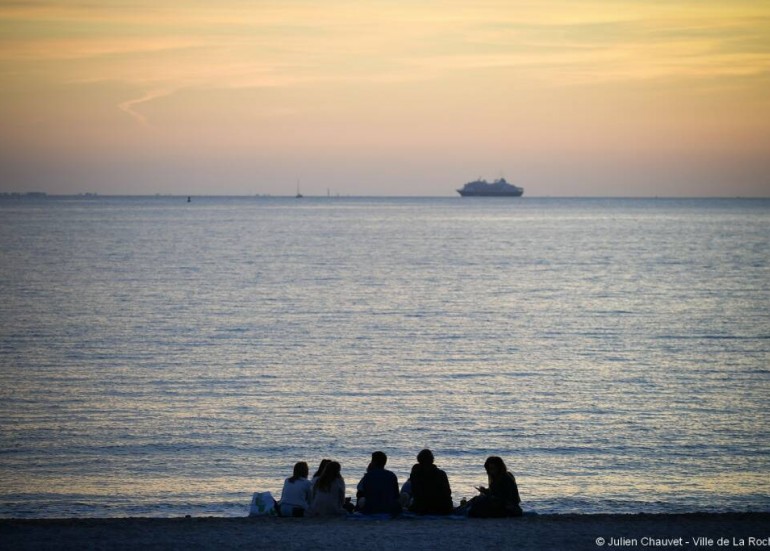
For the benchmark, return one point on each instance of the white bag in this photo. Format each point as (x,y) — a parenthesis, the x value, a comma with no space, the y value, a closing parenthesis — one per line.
(262,503)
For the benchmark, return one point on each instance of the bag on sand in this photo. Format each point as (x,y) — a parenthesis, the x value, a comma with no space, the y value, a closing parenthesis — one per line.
(262,503)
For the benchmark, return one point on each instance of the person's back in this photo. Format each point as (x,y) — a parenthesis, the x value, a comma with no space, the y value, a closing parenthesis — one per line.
(296,493)
(295,496)
(329,501)
(431,494)
(329,492)
(507,491)
(379,488)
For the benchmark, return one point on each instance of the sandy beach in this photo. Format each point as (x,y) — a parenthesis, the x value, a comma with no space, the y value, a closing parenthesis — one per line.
(687,531)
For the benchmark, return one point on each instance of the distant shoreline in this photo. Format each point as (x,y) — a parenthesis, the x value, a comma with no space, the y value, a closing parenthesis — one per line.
(568,531)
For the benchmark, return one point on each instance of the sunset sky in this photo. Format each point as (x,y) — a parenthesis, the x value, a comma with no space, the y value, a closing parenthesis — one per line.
(391,97)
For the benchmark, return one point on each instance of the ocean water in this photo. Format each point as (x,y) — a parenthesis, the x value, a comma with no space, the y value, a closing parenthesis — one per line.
(160,358)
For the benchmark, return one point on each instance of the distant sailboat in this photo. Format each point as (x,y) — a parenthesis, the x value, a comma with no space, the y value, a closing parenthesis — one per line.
(299,195)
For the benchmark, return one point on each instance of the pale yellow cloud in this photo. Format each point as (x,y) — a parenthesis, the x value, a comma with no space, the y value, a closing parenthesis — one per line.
(299,77)
(240,44)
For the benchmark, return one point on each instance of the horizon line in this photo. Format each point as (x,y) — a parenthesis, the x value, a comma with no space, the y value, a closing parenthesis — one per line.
(94,195)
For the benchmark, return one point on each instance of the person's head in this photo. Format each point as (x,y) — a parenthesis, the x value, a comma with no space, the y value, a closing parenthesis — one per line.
(425,458)
(321,466)
(300,471)
(379,459)
(495,467)
(330,474)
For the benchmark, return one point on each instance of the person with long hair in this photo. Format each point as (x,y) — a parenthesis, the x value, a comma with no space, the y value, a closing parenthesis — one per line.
(320,470)
(295,497)
(501,499)
(328,493)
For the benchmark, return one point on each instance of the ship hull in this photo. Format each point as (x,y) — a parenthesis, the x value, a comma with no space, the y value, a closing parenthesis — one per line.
(517,193)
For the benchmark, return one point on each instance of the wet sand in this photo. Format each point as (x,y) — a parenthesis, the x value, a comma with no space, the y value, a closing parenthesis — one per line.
(726,531)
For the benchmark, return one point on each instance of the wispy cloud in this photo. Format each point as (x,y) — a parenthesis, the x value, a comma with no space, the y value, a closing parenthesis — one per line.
(129,106)
(281,43)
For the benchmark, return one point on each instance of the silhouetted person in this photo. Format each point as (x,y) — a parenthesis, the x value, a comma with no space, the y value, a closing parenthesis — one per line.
(379,488)
(431,494)
(295,497)
(501,499)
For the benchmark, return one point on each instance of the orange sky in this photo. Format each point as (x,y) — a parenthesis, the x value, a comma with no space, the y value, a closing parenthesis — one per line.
(389,97)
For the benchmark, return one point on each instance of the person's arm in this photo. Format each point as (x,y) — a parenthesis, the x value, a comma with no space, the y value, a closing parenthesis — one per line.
(445,485)
(394,488)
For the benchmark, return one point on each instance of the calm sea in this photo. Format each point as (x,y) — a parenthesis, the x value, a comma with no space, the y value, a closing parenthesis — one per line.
(160,358)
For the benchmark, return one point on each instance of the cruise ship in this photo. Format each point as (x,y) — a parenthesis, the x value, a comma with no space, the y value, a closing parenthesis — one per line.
(498,188)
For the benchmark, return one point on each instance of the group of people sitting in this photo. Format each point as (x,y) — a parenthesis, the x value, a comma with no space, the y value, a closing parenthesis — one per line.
(426,492)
